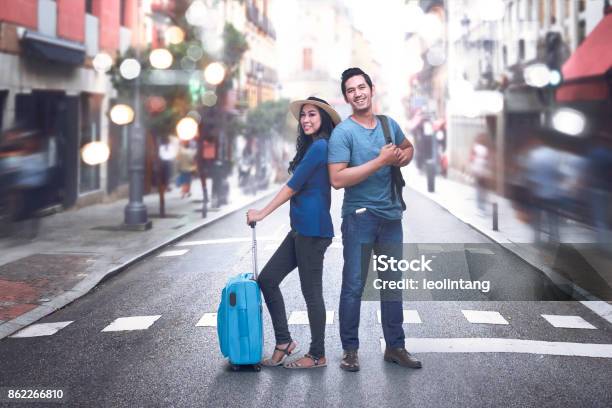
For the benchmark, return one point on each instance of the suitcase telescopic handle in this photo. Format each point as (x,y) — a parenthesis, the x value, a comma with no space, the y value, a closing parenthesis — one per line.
(254,250)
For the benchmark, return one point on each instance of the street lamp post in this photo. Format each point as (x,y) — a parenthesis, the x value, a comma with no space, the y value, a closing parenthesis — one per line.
(135,213)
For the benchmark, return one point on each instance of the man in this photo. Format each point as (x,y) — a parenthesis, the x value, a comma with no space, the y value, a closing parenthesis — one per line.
(360,161)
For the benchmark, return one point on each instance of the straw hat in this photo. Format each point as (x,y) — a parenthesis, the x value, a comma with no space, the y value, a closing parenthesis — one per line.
(296,106)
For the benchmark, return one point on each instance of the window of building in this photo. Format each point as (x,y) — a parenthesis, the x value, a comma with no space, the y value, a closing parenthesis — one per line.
(91,104)
(581,5)
(581,31)
(553,12)
(521,10)
(521,50)
(541,13)
(505,56)
(3,96)
(122,5)
(89,6)
(307,59)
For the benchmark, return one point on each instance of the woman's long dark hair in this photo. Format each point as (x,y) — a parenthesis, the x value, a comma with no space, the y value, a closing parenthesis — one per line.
(304,141)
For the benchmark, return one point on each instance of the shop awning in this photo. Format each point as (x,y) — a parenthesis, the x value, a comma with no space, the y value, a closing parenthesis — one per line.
(584,73)
(53,48)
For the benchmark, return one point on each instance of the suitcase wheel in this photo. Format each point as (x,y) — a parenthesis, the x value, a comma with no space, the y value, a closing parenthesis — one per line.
(234,367)
(257,367)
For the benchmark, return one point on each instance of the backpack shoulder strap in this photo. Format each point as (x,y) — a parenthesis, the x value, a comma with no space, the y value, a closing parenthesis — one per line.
(384,121)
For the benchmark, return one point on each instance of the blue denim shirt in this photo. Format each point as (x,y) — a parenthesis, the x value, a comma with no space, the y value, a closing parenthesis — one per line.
(309,208)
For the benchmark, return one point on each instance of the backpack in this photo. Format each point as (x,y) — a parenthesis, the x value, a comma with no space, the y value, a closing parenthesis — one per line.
(397,180)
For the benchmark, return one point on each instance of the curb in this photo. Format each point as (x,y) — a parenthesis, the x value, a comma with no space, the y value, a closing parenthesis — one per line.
(90,282)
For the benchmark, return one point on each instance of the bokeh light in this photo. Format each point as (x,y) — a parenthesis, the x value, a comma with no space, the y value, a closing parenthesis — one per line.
(187,128)
(214,73)
(537,75)
(129,68)
(175,35)
(122,114)
(102,62)
(569,121)
(95,153)
(161,58)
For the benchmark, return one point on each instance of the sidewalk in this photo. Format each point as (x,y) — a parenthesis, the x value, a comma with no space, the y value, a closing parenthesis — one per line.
(575,264)
(76,249)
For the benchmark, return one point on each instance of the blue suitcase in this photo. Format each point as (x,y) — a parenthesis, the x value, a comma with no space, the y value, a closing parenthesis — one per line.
(239,318)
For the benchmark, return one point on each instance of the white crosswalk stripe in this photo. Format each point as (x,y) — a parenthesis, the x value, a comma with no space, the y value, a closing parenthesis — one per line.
(497,345)
(208,320)
(484,317)
(131,323)
(177,252)
(301,317)
(410,317)
(40,329)
(568,322)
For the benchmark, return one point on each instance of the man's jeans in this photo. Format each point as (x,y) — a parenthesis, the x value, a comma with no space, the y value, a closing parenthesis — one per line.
(368,231)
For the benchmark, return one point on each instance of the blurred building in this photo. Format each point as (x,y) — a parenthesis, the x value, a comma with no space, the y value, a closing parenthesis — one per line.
(48,82)
(315,46)
(258,76)
(362,56)
(491,44)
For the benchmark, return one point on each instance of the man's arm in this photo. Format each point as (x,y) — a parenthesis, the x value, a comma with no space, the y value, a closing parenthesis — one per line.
(342,176)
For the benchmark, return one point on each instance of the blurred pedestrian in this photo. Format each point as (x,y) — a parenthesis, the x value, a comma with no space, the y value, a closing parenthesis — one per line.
(311,233)
(600,177)
(543,177)
(186,167)
(167,152)
(481,168)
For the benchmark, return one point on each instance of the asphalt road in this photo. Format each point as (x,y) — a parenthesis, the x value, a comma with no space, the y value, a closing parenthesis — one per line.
(175,363)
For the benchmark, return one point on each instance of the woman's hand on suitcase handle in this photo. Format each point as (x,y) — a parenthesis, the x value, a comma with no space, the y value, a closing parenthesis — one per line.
(254,216)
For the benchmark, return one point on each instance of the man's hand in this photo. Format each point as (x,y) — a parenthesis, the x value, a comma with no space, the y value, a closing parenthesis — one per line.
(388,155)
(404,156)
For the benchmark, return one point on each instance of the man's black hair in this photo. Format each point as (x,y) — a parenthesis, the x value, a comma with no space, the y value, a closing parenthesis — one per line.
(351,72)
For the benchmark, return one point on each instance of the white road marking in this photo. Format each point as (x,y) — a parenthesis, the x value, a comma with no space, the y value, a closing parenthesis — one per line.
(273,246)
(301,317)
(280,230)
(336,245)
(496,345)
(223,241)
(602,309)
(481,316)
(483,251)
(177,252)
(410,317)
(208,320)
(40,329)
(131,323)
(568,322)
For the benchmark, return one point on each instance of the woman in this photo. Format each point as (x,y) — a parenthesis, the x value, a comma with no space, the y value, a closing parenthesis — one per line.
(311,233)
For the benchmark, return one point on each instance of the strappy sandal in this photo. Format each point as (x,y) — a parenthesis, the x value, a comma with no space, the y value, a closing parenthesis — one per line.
(269,362)
(316,360)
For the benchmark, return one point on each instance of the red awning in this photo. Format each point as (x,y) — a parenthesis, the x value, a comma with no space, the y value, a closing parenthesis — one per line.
(583,72)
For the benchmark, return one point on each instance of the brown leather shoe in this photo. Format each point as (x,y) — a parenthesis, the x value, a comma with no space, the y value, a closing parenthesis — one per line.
(350,361)
(402,357)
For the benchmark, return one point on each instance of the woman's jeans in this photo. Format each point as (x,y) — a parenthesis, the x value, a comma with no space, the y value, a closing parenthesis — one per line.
(305,253)
(362,233)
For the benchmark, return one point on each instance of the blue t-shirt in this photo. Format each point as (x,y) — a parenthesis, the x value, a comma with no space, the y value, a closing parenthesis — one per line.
(309,208)
(354,144)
